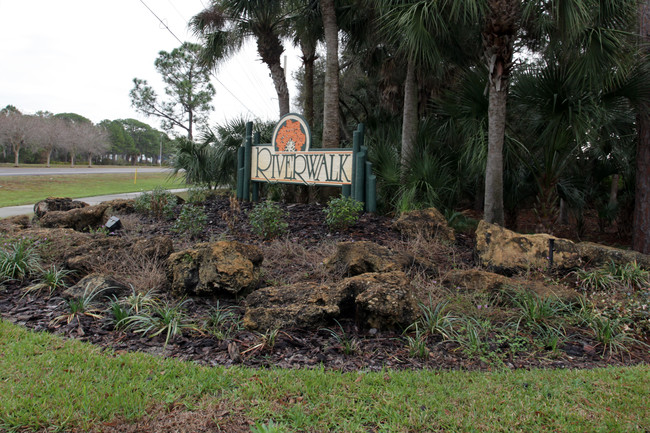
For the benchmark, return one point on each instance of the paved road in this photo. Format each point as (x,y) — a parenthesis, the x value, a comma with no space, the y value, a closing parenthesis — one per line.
(29,208)
(99,169)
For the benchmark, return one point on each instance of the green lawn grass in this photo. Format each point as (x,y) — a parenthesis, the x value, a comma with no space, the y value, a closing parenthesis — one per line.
(48,382)
(18,190)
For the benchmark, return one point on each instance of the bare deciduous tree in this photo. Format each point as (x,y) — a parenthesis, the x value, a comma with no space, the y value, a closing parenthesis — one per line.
(16,129)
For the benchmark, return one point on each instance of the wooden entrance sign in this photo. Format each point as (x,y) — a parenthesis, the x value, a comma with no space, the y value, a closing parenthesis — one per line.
(290,159)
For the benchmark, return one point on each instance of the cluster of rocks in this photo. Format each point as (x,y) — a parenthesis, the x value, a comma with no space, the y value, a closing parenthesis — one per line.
(372,287)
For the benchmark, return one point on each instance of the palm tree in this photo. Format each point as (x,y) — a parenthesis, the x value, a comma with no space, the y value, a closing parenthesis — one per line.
(421,32)
(307,25)
(225,25)
(331,135)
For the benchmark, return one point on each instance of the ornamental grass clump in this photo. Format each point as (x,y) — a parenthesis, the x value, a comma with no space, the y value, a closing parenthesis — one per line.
(18,259)
(342,212)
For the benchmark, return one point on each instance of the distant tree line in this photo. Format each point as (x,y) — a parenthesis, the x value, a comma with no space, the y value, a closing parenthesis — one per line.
(45,137)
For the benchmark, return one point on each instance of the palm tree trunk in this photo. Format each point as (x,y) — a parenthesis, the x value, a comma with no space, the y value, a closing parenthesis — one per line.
(308,58)
(331,136)
(409,117)
(493,207)
(270,49)
(642,192)
(281,88)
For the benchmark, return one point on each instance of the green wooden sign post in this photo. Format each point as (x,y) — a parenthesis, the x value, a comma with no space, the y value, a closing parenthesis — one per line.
(289,159)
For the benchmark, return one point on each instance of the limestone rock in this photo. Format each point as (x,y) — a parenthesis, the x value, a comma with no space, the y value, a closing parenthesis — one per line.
(297,305)
(214,268)
(596,254)
(502,249)
(383,300)
(356,258)
(60,204)
(375,300)
(476,280)
(101,284)
(428,223)
(78,219)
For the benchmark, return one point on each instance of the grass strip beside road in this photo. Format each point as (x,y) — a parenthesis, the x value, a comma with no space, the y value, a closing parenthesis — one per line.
(50,383)
(19,190)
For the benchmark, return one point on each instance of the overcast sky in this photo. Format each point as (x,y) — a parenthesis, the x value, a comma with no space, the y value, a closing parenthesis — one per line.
(81,56)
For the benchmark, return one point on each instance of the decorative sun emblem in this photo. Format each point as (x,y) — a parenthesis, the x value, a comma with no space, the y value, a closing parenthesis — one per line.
(290,137)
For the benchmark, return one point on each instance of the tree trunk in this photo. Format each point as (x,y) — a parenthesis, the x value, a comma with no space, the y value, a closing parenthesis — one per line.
(613,190)
(90,160)
(190,119)
(49,157)
(409,118)
(281,88)
(72,160)
(331,136)
(16,155)
(308,58)
(270,49)
(493,207)
(641,241)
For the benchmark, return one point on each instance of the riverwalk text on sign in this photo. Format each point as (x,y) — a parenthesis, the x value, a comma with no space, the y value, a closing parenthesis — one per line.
(288,159)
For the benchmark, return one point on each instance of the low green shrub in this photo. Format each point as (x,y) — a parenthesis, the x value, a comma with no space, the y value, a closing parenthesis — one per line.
(197,194)
(342,212)
(160,203)
(268,220)
(191,221)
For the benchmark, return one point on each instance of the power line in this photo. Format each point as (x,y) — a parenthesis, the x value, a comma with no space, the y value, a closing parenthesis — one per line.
(211,73)
(161,22)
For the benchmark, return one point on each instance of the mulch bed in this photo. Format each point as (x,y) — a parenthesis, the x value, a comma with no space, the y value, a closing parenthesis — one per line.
(296,348)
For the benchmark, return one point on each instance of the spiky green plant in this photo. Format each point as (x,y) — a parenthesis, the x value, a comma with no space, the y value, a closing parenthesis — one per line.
(596,280)
(18,259)
(347,343)
(435,319)
(222,322)
(535,309)
(161,317)
(50,279)
(417,343)
(87,304)
(612,334)
(631,276)
(119,312)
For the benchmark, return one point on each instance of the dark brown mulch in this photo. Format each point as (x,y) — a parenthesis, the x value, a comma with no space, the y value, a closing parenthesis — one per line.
(298,348)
